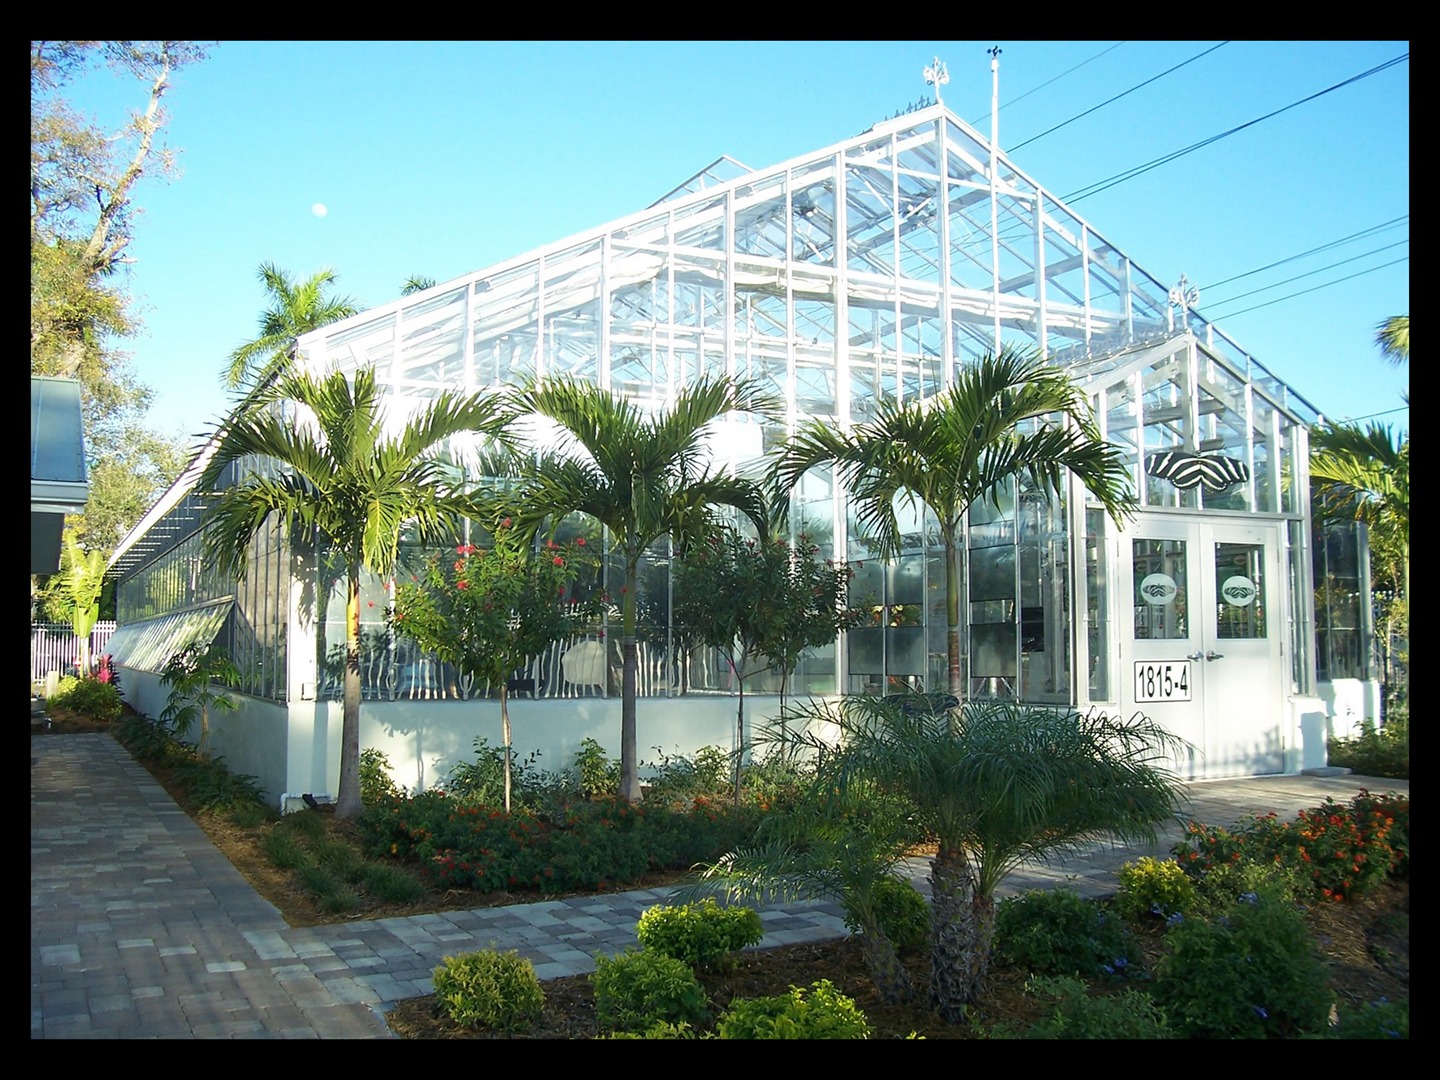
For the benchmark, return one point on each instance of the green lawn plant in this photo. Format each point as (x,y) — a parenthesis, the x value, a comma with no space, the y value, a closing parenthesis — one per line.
(1075,1013)
(1154,889)
(702,933)
(1059,932)
(490,610)
(816,1012)
(1252,972)
(496,991)
(636,988)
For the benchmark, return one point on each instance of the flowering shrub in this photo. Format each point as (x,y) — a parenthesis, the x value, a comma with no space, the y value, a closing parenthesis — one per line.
(1060,932)
(1341,848)
(1150,887)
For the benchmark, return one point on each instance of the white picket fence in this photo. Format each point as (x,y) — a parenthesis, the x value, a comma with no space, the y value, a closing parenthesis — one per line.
(54,647)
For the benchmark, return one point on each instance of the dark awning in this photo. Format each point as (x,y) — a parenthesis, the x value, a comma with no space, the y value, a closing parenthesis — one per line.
(59,480)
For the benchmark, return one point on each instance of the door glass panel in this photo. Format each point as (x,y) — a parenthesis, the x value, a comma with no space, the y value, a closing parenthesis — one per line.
(1239,591)
(1160,601)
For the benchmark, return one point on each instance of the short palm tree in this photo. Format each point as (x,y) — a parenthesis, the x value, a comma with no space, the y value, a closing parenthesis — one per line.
(296,308)
(1007,416)
(344,477)
(642,477)
(995,783)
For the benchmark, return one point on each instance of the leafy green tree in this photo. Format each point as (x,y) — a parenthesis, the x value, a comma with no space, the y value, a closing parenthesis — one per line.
(296,307)
(191,677)
(416,283)
(760,603)
(642,477)
(331,469)
(490,611)
(84,179)
(1007,416)
(995,783)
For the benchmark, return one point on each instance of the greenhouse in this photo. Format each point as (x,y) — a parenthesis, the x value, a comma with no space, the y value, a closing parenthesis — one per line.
(875,268)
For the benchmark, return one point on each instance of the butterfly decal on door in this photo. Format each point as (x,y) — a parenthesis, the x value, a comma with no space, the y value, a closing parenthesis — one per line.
(1215,472)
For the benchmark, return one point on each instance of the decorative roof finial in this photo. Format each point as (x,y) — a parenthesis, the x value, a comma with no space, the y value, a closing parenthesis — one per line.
(937,76)
(1184,295)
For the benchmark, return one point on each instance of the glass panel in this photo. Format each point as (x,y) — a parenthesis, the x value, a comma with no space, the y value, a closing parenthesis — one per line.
(1240,591)
(1161,601)
(1097,606)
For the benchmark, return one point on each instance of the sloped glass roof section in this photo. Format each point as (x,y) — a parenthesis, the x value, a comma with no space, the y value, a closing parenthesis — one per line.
(879,265)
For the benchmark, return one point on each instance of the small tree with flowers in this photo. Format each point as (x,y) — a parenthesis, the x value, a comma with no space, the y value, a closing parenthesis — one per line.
(490,611)
(761,604)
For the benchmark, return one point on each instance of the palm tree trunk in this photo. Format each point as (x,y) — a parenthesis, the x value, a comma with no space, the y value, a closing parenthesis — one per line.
(887,972)
(952,620)
(505,734)
(962,933)
(739,737)
(629,766)
(347,801)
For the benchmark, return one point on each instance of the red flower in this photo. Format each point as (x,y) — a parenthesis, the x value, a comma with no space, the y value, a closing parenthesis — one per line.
(559,561)
(459,549)
(370,603)
(462,584)
(580,542)
(505,524)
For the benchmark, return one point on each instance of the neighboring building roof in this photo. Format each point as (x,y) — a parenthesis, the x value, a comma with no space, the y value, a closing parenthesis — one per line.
(59,479)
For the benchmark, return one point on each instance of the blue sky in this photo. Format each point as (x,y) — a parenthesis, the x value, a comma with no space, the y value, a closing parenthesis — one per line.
(439,158)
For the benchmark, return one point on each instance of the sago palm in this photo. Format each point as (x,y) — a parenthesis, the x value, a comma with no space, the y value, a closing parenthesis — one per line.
(642,477)
(996,784)
(1009,415)
(315,453)
(296,307)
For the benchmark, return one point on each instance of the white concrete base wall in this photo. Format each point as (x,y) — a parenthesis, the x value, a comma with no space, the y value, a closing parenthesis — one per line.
(1349,703)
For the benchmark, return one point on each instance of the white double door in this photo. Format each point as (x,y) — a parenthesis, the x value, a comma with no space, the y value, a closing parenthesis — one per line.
(1201,605)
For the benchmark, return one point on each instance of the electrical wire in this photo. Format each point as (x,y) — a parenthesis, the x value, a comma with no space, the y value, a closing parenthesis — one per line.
(1302,292)
(1130,174)
(1311,273)
(1313,251)
(1117,97)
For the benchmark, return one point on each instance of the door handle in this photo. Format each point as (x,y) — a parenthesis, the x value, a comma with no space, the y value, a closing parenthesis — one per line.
(1214,656)
(1196,655)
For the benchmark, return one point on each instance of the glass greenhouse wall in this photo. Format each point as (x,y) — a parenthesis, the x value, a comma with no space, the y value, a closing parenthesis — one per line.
(876,268)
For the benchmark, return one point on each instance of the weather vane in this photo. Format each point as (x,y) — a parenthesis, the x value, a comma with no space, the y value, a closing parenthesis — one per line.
(1184,295)
(937,76)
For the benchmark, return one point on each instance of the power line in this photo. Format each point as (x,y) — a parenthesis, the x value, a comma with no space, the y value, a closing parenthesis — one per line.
(1315,250)
(1311,273)
(1371,416)
(1117,97)
(1130,174)
(1302,292)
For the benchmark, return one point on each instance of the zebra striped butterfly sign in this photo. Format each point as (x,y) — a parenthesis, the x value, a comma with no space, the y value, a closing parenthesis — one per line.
(1215,472)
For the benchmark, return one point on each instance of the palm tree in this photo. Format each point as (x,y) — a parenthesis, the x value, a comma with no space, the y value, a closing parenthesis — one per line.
(296,308)
(416,283)
(1007,416)
(1362,474)
(344,478)
(996,784)
(1393,337)
(642,478)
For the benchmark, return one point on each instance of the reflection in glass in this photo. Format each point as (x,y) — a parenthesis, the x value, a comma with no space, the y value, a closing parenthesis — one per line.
(1160,600)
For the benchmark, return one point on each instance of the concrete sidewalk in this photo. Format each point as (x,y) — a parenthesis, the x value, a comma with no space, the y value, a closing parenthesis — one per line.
(140,928)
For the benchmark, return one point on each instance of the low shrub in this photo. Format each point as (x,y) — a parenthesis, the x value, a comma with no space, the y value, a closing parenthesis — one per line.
(638,988)
(208,784)
(1251,973)
(284,849)
(88,696)
(391,884)
(1376,752)
(661,1029)
(1151,887)
(902,912)
(1383,1019)
(1060,932)
(819,1012)
(699,934)
(1075,1014)
(492,990)
(375,782)
(596,773)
